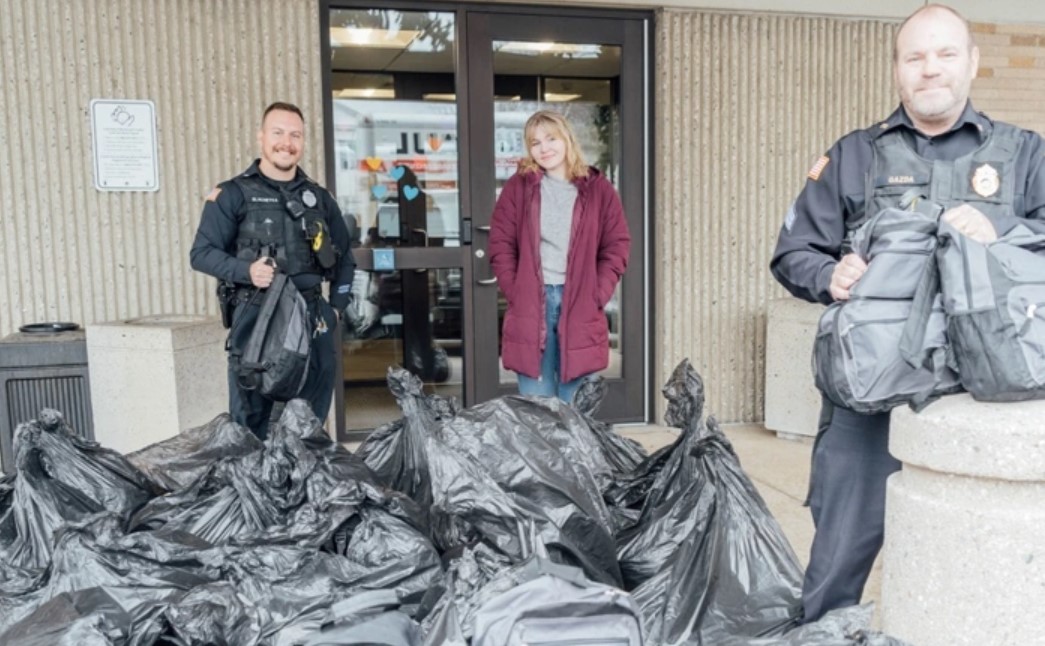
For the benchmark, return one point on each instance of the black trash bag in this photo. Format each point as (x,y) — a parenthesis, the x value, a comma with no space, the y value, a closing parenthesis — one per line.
(136,575)
(723,566)
(338,490)
(396,458)
(292,589)
(545,456)
(476,584)
(623,454)
(448,611)
(212,614)
(62,621)
(383,552)
(226,502)
(7,489)
(61,477)
(842,627)
(600,456)
(628,494)
(14,580)
(299,489)
(465,505)
(176,462)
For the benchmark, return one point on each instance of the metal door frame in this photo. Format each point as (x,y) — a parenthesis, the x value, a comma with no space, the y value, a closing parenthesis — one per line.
(632,26)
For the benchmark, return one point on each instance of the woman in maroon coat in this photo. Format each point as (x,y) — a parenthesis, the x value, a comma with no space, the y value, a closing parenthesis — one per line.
(559,243)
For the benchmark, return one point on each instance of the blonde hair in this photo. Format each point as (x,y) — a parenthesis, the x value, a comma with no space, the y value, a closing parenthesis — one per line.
(557,125)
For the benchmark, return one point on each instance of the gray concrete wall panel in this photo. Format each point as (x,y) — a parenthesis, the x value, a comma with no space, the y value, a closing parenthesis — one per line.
(745,105)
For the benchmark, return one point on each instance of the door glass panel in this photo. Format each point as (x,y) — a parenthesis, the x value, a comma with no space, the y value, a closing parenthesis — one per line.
(392,78)
(581,81)
(409,318)
(396,181)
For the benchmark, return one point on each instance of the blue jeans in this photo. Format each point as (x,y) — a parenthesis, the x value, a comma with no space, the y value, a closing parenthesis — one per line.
(548,384)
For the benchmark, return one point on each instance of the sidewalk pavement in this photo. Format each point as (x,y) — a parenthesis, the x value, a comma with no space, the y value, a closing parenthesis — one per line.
(779,467)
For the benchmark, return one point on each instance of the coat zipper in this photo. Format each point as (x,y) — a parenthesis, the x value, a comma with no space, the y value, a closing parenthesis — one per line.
(535,228)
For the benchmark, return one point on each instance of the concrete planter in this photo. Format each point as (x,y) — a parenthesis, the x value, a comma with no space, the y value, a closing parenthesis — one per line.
(964,555)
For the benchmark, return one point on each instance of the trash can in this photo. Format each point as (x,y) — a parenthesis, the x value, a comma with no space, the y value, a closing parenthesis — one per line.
(43,365)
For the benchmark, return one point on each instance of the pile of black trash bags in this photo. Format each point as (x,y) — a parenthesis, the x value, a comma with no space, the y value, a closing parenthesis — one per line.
(519,520)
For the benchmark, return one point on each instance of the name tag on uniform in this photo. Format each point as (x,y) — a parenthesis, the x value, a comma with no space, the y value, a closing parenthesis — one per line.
(902,179)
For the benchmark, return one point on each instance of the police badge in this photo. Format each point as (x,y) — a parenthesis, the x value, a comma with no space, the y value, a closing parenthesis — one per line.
(309,198)
(985,181)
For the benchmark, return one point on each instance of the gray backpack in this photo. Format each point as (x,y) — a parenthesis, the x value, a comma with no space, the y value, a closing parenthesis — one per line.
(994,295)
(857,360)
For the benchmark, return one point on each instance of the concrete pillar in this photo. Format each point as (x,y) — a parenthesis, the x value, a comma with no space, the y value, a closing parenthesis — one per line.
(964,556)
(792,401)
(155,376)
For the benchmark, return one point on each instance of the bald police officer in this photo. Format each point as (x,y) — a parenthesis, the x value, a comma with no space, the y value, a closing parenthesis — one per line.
(988,176)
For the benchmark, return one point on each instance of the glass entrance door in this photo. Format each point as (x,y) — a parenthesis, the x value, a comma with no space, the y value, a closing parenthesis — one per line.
(397,179)
(591,71)
(424,124)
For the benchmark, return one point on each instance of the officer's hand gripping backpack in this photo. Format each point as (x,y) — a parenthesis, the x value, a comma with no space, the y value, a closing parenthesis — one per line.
(856,358)
(273,359)
(994,295)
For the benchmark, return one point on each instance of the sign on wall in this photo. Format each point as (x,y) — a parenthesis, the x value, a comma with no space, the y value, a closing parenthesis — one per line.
(124,137)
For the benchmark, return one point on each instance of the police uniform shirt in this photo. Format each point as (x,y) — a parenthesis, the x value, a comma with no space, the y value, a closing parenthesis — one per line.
(811,239)
(214,249)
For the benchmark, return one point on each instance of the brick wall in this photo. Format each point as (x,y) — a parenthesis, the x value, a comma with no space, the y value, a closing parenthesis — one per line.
(1011,83)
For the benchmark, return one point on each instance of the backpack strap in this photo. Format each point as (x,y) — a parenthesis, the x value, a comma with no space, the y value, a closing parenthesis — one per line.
(912,341)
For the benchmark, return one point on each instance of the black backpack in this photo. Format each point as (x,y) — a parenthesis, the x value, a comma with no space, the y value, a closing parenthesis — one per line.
(270,343)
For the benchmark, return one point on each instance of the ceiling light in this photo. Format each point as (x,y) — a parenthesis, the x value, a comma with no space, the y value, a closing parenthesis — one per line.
(365,93)
(366,37)
(557,97)
(528,48)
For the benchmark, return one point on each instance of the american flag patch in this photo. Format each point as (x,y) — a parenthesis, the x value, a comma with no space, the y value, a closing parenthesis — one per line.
(818,167)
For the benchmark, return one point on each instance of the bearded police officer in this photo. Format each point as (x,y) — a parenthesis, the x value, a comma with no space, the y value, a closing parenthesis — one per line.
(274,216)
(988,176)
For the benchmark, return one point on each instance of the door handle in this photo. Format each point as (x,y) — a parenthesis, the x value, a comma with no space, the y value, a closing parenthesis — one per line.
(484,227)
(422,232)
(487,281)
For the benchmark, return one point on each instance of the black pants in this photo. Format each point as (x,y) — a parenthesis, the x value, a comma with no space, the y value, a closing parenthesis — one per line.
(851,463)
(252,410)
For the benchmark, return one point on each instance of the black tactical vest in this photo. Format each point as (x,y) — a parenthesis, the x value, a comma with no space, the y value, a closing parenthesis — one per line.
(266,224)
(985,178)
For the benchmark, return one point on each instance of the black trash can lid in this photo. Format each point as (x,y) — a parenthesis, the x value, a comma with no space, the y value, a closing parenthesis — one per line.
(53,327)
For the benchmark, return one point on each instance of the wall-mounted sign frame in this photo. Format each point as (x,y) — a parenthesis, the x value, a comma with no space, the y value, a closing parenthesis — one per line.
(123,134)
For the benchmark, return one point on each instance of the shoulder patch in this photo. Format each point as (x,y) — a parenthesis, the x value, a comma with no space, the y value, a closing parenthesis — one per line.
(818,168)
(213,195)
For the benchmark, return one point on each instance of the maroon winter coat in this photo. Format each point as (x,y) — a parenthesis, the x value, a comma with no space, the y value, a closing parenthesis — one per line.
(598,254)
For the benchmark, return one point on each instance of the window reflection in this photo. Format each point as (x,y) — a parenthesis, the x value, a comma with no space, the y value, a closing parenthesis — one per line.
(396,180)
